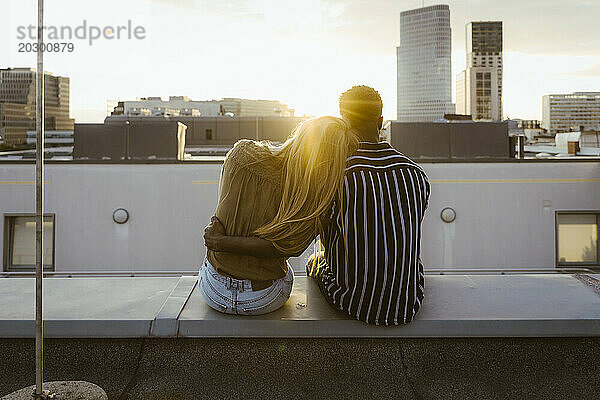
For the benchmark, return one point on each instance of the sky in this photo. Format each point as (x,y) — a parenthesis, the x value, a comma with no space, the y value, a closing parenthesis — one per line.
(303,53)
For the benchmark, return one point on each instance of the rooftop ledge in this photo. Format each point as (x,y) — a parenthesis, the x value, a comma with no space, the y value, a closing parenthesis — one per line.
(534,305)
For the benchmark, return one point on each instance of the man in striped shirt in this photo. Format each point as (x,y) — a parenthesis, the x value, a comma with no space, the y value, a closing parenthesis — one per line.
(371,268)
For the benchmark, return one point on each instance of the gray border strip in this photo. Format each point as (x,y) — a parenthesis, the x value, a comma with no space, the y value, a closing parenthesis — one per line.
(245,328)
(56,328)
(416,329)
(166,322)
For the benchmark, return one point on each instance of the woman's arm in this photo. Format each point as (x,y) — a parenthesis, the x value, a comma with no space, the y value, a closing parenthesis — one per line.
(216,240)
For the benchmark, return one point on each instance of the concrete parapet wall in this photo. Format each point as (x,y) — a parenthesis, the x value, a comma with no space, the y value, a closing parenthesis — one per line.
(477,337)
(536,305)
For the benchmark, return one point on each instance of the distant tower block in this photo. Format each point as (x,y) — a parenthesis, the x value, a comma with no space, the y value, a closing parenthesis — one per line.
(17,103)
(424,89)
(579,111)
(479,86)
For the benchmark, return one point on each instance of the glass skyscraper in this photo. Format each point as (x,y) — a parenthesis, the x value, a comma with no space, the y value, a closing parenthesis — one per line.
(424,67)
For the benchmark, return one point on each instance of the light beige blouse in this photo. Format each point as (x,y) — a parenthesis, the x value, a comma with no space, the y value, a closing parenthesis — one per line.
(249,197)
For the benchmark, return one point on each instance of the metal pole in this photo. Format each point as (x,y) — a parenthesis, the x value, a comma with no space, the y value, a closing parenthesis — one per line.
(39,205)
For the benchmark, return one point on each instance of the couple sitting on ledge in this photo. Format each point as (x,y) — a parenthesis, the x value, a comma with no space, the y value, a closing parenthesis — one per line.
(332,178)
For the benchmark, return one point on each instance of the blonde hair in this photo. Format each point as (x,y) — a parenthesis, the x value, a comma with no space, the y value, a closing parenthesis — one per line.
(314,159)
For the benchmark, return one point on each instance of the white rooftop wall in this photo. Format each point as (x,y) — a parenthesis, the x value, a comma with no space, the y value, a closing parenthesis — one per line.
(504,212)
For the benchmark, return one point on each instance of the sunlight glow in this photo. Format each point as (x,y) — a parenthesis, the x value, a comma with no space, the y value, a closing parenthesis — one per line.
(301,53)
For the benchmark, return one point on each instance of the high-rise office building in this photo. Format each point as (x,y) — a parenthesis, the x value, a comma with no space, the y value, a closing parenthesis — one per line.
(17,103)
(570,112)
(424,90)
(479,86)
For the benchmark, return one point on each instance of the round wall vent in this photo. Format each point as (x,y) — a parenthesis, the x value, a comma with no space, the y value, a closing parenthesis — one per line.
(448,214)
(120,216)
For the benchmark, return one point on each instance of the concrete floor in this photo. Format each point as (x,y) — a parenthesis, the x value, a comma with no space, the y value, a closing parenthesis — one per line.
(450,368)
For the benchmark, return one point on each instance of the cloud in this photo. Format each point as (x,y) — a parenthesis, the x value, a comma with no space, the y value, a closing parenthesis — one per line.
(594,70)
(555,27)
(552,27)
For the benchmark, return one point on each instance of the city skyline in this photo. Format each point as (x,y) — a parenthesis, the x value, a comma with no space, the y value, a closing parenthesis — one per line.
(301,54)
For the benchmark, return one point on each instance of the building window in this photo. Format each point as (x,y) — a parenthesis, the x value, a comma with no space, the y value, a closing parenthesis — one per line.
(208,134)
(577,238)
(19,242)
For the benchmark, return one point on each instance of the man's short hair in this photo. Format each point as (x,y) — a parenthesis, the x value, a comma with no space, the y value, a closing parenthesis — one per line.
(361,104)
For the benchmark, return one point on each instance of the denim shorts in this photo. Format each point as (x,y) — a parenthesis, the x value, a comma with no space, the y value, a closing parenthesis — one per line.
(235,296)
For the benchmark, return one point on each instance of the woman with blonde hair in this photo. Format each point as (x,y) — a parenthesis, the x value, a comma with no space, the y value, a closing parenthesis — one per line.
(271,199)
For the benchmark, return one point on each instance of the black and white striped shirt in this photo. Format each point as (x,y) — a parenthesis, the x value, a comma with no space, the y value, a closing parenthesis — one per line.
(373,268)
